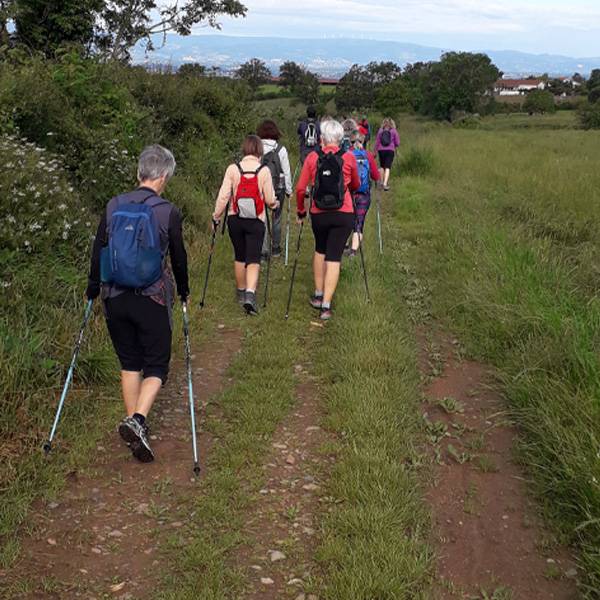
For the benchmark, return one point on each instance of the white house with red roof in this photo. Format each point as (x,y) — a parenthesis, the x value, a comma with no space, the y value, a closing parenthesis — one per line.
(518,87)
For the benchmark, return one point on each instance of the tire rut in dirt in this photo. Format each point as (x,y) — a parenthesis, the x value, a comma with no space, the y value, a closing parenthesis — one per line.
(282,527)
(105,534)
(487,532)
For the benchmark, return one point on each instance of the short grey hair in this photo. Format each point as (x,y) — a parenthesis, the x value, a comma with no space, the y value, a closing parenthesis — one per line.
(332,132)
(155,162)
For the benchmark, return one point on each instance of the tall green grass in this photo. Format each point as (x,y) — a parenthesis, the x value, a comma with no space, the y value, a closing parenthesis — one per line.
(506,232)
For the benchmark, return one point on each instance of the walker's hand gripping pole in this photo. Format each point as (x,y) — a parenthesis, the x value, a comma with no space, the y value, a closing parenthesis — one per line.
(86,317)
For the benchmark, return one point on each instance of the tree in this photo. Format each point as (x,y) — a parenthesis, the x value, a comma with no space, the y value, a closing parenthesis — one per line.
(254,72)
(539,101)
(6,11)
(457,83)
(383,73)
(594,80)
(192,70)
(124,23)
(290,74)
(394,97)
(358,88)
(46,25)
(589,116)
(307,88)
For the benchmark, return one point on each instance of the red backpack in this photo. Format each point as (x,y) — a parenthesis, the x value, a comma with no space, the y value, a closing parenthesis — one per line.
(248,202)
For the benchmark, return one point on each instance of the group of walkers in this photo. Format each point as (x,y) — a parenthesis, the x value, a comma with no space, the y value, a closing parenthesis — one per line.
(140,230)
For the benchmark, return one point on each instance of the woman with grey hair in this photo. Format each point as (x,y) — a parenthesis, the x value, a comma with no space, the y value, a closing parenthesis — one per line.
(333,175)
(129,271)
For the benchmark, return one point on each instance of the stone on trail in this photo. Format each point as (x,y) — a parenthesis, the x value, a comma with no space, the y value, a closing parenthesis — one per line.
(117,587)
(291,459)
(266,581)
(96,551)
(51,541)
(310,487)
(115,533)
(276,555)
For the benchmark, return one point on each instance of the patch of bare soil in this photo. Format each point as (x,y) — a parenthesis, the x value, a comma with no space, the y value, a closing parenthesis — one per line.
(104,536)
(282,525)
(488,535)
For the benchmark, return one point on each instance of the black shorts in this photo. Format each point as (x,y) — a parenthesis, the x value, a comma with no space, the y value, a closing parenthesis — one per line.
(247,237)
(386,158)
(331,230)
(140,330)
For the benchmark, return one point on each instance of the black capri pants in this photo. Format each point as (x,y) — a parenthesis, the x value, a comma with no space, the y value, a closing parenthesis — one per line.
(386,158)
(331,231)
(247,237)
(140,330)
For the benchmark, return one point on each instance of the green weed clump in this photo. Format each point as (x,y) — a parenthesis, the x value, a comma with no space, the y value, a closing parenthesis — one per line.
(417,161)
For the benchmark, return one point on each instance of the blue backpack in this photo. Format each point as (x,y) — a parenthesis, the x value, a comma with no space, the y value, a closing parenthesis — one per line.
(133,257)
(364,171)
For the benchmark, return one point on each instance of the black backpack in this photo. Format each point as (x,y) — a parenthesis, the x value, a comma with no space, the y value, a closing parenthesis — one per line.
(272,160)
(330,188)
(386,137)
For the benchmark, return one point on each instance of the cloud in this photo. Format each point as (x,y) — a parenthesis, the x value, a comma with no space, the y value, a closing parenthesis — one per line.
(428,16)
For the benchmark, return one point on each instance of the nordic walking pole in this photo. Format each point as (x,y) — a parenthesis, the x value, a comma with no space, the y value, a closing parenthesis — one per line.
(213,243)
(379,225)
(86,318)
(188,360)
(287,229)
(289,303)
(362,258)
(269,233)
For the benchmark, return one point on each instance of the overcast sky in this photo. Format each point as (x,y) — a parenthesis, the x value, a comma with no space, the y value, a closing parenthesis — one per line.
(570,27)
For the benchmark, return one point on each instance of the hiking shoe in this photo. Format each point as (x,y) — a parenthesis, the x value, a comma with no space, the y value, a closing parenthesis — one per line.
(136,437)
(250,303)
(240,297)
(326,314)
(347,251)
(316,301)
(386,188)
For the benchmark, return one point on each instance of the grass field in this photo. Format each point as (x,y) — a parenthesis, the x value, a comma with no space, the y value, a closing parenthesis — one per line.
(504,228)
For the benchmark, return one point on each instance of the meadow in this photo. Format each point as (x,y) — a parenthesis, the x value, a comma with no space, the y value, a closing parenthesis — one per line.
(502,224)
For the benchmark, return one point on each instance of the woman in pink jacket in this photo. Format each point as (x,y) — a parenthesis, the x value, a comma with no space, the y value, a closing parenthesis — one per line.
(386,144)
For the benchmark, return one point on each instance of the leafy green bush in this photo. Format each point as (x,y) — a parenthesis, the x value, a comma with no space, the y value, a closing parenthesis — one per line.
(418,161)
(539,101)
(589,116)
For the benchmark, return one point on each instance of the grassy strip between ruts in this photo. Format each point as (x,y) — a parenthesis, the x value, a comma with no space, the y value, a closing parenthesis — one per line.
(375,542)
(373,538)
(514,288)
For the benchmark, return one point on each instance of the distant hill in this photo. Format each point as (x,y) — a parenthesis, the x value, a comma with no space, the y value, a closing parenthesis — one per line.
(333,57)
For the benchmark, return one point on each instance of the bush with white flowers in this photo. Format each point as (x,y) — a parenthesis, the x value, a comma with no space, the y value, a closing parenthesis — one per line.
(39,209)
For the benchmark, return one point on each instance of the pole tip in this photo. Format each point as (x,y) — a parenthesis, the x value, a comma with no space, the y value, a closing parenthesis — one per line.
(47,448)
(196,470)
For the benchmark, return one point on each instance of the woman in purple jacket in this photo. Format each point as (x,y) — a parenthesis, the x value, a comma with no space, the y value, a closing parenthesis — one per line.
(385,145)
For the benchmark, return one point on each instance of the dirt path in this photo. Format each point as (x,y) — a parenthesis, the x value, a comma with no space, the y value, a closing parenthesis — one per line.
(488,535)
(104,536)
(282,526)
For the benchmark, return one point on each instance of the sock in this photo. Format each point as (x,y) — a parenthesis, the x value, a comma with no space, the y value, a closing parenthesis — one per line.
(241,290)
(141,419)
(250,291)
(318,293)
(326,306)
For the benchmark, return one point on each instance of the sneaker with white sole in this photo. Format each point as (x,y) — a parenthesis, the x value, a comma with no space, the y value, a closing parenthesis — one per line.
(250,303)
(316,301)
(136,437)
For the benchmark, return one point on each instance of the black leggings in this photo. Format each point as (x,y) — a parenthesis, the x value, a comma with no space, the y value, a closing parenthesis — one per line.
(331,230)
(247,237)
(140,331)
